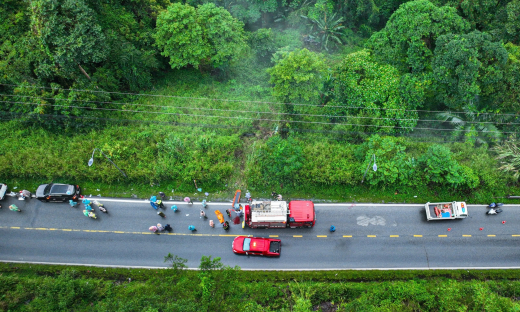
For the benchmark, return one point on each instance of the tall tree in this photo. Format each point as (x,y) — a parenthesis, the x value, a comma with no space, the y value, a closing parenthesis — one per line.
(68,32)
(408,40)
(370,94)
(204,36)
(469,69)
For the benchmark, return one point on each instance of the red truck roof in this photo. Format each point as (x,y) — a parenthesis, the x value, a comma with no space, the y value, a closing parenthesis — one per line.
(301,210)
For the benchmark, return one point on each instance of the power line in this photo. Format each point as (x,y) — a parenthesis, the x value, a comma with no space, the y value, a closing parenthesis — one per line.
(192,125)
(248,118)
(256,102)
(252,112)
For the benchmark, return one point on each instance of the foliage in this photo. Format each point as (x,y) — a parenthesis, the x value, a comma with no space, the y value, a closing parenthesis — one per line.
(298,76)
(368,94)
(394,167)
(327,30)
(279,162)
(69,35)
(202,36)
(176,262)
(466,67)
(409,38)
(509,156)
(472,127)
(39,288)
(439,167)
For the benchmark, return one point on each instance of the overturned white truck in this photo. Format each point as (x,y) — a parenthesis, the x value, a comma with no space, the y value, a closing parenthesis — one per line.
(446,211)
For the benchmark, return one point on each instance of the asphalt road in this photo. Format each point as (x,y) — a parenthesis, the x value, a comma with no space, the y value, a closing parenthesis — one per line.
(367,237)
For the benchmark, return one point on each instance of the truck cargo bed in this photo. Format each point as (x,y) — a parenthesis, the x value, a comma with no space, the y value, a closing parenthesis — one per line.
(274,247)
(446,211)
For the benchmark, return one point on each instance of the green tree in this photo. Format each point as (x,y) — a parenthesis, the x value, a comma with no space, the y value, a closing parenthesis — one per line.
(468,68)
(370,94)
(408,39)
(298,76)
(512,25)
(69,34)
(206,36)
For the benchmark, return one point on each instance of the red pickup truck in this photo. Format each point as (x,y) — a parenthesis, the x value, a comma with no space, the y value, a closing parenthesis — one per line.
(257,246)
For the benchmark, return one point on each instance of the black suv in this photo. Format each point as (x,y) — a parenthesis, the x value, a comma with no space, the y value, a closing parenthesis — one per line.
(57,192)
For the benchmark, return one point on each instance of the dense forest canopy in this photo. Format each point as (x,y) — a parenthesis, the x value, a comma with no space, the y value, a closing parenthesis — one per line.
(343,70)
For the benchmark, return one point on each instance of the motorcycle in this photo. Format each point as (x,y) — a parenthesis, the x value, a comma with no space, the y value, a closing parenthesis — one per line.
(87,204)
(22,195)
(494,209)
(101,206)
(89,214)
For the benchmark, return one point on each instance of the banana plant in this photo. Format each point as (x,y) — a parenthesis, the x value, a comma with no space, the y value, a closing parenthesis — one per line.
(327,30)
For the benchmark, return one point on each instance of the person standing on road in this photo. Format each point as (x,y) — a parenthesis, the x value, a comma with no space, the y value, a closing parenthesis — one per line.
(188,200)
(332,228)
(160,228)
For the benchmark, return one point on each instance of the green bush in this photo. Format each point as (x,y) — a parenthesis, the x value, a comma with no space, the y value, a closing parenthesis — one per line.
(441,168)
(279,161)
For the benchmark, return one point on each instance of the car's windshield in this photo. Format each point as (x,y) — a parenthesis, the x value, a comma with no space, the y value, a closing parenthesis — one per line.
(47,189)
(247,243)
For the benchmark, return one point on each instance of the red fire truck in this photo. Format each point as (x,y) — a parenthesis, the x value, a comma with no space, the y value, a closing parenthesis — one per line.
(279,214)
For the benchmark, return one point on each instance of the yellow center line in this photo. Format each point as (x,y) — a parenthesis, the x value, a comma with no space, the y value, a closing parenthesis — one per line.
(118,232)
(224,235)
(273,235)
(52,229)
(347,235)
(491,235)
(41,229)
(297,236)
(443,235)
(371,236)
(15,227)
(466,235)
(515,235)
(29,229)
(67,230)
(417,236)
(394,235)
(76,230)
(321,235)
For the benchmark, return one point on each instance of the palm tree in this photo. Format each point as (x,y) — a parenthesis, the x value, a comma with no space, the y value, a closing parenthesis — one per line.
(326,30)
(509,156)
(478,124)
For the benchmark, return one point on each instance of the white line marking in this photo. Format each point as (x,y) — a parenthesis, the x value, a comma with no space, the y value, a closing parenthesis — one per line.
(268,269)
(140,201)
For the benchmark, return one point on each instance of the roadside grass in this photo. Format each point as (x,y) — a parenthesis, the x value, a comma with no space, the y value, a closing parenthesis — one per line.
(29,287)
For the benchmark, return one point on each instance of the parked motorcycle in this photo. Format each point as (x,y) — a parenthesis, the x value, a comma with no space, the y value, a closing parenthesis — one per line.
(494,208)
(89,214)
(101,206)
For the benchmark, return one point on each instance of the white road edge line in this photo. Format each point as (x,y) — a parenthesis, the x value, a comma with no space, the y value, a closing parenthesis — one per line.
(264,269)
(101,199)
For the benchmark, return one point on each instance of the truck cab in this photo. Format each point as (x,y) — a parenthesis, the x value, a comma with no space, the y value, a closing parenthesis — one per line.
(301,214)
